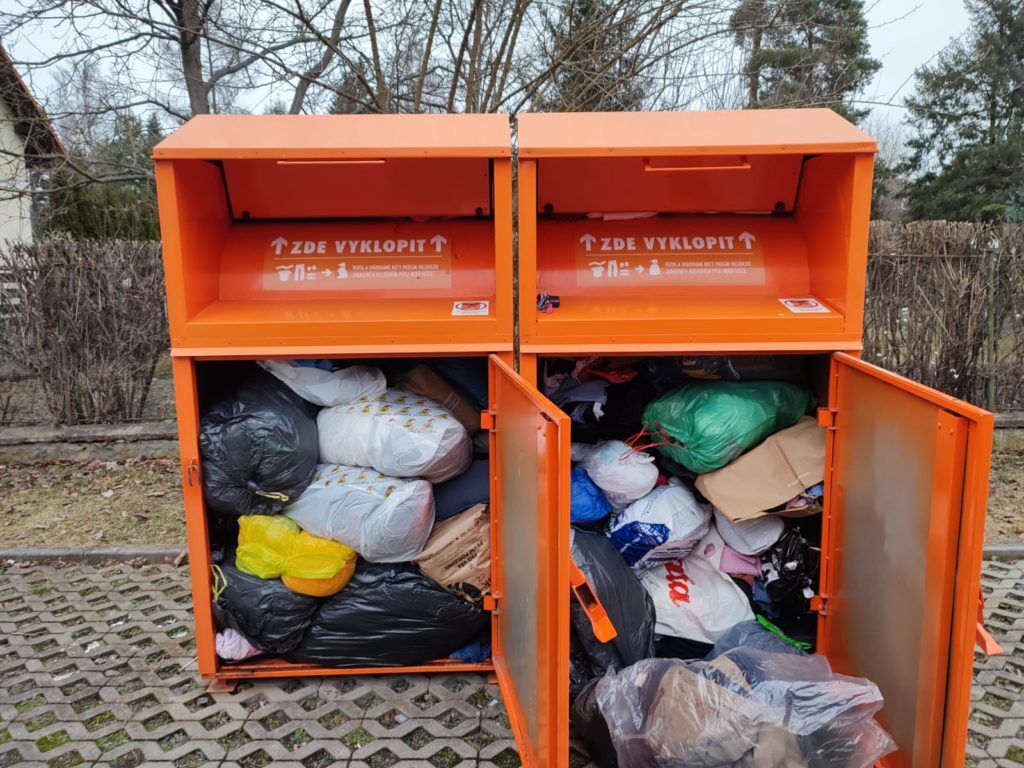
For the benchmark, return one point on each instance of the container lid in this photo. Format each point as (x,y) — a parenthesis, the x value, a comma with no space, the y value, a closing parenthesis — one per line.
(213,137)
(756,131)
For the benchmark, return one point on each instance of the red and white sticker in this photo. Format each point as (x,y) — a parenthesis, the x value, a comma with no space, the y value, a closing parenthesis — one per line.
(805,305)
(472,308)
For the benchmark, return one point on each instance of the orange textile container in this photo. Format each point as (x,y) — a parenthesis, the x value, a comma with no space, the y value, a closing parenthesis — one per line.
(350,237)
(729,233)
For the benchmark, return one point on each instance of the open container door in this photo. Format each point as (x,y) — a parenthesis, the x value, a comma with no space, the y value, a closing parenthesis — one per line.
(530,549)
(902,556)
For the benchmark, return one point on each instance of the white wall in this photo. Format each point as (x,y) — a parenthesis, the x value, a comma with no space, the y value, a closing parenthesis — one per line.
(15,211)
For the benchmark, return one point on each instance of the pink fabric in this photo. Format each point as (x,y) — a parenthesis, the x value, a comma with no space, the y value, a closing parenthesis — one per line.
(736,564)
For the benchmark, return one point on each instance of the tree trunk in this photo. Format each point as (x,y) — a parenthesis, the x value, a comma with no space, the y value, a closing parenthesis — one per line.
(190,36)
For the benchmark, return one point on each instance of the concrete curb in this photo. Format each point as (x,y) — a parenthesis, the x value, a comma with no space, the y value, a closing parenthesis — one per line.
(148,553)
(1010,550)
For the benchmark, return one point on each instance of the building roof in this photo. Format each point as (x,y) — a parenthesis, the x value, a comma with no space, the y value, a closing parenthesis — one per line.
(30,121)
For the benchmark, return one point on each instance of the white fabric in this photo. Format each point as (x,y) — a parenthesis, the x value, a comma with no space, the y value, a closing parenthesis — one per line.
(328,388)
(711,548)
(750,537)
(694,600)
(398,434)
(674,507)
(232,646)
(384,519)
(623,474)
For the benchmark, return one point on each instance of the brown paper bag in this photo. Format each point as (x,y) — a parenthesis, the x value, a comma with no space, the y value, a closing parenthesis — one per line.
(421,380)
(458,553)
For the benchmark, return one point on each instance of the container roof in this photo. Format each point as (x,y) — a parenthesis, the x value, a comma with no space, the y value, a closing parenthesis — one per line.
(755,131)
(214,137)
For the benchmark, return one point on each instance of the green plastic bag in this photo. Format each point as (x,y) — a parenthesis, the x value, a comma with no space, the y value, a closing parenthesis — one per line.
(710,423)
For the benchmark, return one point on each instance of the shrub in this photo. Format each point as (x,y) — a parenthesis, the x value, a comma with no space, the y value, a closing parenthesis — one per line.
(87,318)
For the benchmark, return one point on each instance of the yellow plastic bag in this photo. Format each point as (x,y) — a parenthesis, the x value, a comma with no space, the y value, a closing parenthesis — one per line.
(271,547)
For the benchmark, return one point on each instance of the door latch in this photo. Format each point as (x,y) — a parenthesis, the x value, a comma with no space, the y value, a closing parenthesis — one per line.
(192,473)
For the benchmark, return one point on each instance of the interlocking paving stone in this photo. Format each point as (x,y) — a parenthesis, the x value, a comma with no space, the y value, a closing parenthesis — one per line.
(97,668)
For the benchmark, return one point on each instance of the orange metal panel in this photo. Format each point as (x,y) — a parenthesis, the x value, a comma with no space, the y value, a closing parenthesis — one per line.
(300,281)
(530,549)
(187,406)
(320,137)
(794,281)
(759,183)
(902,552)
(747,132)
(279,668)
(306,189)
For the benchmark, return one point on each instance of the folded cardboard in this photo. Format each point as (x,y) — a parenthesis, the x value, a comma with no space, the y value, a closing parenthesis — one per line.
(777,470)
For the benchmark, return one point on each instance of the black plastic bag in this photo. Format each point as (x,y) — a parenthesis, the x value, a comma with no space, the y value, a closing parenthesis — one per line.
(389,615)
(264,611)
(790,573)
(590,725)
(627,603)
(259,447)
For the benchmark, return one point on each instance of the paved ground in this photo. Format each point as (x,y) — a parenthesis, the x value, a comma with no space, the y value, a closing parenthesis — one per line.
(96,668)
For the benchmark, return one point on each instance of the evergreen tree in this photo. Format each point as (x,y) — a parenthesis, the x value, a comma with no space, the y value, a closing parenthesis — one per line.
(804,53)
(597,59)
(74,203)
(967,121)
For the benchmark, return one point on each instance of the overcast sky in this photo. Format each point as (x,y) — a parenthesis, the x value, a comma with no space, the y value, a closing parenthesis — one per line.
(904,35)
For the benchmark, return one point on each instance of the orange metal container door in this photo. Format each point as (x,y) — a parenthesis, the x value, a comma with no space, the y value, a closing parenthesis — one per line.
(902,552)
(530,546)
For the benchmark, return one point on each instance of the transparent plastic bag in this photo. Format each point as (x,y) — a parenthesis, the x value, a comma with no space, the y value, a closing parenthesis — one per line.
(745,709)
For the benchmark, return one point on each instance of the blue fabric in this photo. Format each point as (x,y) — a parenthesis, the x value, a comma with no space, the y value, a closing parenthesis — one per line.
(763,601)
(636,539)
(475,652)
(460,493)
(470,373)
(326,365)
(587,505)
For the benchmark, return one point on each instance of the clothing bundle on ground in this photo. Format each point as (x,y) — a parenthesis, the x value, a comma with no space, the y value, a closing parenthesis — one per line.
(717,560)
(357,570)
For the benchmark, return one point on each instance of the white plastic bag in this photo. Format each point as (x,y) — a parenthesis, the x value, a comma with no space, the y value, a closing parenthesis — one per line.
(328,388)
(384,519)
(752,536)
(623,474)
(694,600)
(398,434)
(664,525)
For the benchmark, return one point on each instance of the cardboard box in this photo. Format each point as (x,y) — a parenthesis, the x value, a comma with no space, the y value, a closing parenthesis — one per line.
(780,468)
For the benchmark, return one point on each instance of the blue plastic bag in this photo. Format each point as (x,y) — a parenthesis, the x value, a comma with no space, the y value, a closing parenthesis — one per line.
(587,505)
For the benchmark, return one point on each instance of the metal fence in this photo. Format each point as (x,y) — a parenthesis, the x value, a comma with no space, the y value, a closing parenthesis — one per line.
(945,306)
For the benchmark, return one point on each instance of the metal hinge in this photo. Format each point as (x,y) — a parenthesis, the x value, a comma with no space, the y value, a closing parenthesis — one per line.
(487,420)
(819,604)
(491,603)
(827,418)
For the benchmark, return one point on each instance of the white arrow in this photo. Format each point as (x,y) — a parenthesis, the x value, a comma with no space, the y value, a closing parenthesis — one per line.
(326,272)
(639,268)
(438,241)
(747,239)
(588,240)
(278,244)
